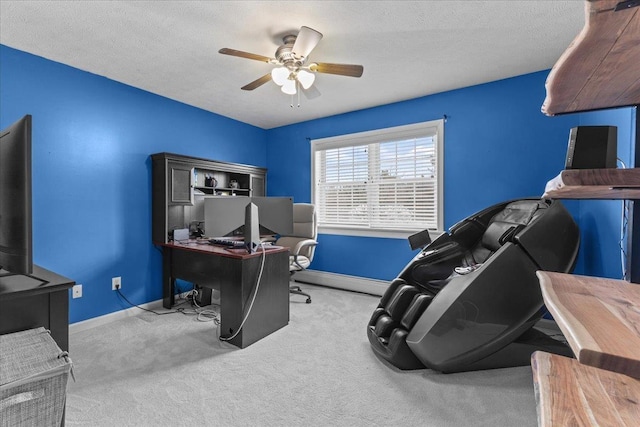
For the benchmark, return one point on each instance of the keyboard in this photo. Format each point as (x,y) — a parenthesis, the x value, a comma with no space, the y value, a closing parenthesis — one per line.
(228,242)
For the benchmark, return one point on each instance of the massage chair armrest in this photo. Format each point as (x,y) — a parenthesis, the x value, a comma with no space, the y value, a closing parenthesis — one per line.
(433,253)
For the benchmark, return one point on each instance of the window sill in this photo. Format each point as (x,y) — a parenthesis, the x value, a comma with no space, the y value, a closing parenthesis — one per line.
(368,232)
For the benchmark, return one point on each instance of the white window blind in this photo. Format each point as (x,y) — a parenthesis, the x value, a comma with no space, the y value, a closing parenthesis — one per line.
(387,179)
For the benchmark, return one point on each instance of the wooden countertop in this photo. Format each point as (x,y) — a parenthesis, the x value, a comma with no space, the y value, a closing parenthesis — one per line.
(599,317)
(571,394)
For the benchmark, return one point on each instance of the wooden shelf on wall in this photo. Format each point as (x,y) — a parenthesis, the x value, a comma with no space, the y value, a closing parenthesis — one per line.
(571,394)
(600,318)
(596,184)
(600,68)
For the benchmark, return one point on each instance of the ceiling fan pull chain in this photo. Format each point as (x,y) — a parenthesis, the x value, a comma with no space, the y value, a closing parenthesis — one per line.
(298,92)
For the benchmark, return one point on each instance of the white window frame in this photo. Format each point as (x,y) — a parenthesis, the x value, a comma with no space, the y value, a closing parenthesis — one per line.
(418,130)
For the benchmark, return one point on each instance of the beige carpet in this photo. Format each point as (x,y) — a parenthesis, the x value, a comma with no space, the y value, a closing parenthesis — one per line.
(319,370)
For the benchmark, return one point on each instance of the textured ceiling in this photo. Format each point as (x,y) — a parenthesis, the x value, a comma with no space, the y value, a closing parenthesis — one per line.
(408,48)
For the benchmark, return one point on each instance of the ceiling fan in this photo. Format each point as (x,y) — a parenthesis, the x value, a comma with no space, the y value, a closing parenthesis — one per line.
(293,71)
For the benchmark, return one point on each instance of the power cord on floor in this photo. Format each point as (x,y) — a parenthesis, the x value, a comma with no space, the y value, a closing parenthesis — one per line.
(203,315)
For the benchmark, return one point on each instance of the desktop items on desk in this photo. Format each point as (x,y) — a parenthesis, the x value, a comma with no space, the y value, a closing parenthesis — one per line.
(196,229)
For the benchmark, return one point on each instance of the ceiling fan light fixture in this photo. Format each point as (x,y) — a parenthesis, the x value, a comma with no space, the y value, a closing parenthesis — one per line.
(289,87)
(280,75)
(306,78)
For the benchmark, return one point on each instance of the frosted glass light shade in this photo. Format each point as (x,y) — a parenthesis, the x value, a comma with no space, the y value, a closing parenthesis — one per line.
(306,78)
(289,87)
(280,75)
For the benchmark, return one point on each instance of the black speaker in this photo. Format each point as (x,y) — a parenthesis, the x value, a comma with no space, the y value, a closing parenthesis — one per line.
(251,228)
(592,147)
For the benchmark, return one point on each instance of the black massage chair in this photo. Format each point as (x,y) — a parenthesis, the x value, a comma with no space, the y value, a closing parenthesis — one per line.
(471,299)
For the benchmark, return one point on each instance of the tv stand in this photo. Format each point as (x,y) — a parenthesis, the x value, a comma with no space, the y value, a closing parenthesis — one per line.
(40,299)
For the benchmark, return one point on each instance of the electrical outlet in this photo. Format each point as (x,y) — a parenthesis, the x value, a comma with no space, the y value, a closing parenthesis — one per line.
(116,283)
(77,291)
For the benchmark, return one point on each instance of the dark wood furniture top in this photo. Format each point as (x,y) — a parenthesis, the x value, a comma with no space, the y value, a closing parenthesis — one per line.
(40,282)
(600,319)
(600,67)
(28,302)
(203,246)
(571,394)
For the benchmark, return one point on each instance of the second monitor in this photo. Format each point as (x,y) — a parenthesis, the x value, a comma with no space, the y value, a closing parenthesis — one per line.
(225,215)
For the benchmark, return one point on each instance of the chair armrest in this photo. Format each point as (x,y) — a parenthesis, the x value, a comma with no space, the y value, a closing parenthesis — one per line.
(296,251)
(303,243)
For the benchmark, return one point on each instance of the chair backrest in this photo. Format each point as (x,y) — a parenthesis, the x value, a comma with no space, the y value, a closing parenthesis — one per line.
(504,225)
(305,226)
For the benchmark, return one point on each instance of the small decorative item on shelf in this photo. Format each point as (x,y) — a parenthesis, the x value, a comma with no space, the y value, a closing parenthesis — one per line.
(210,181)
(233,183)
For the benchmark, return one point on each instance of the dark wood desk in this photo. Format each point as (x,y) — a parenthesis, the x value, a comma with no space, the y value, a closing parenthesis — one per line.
(27,303)
(234,273)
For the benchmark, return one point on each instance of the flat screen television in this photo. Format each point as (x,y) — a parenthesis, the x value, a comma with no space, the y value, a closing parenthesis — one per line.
(16,253)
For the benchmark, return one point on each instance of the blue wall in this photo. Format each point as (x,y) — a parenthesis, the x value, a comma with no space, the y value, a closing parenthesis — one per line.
(92,138)
(498,146)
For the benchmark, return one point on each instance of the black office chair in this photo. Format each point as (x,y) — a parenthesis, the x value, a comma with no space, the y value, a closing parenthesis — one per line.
(470,299)
(302,242)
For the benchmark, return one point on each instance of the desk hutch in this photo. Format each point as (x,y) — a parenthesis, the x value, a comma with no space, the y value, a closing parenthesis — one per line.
(178,179)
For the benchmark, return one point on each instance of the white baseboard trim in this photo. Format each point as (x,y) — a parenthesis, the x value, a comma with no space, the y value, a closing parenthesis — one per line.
(112,317)
(342,281)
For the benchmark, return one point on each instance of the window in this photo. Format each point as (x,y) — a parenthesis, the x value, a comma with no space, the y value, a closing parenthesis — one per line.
(385,182)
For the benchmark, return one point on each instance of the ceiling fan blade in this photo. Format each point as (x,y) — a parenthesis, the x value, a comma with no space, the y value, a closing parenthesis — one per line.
(306,41)
(242,54)
(257,83)
(311,93)
(339,69)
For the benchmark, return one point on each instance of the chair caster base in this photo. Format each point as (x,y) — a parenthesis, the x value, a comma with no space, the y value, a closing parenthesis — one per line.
(294,289)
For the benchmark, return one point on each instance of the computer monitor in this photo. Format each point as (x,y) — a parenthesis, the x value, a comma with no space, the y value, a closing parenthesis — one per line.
(16,253)
(224,215)
(275,214)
